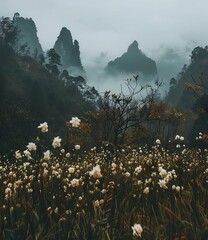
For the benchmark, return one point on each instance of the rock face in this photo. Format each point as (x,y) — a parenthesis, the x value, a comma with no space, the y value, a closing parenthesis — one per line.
(28,35)
(69,52)
(133,61)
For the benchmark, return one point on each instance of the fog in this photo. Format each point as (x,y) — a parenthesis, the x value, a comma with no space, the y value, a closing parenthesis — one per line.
(166,31)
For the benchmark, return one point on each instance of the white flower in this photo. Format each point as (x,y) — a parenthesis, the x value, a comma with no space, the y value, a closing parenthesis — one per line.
(162,183)
(137,230)
(77,147)
(162,172)
(182,138)
(96,172)
(56,210)
(97,203)
(127,174)
(56,142)
(68,155)
(146,190)
(8,192)
(138,169)
(177,137)
(27,154)
(75,122)
(158,141)
(31,146)
(43,127)
(71,170)
(75,182)
(18,154)
(139,182)
(62,150)
(47,155)
(113,165)
(44,165)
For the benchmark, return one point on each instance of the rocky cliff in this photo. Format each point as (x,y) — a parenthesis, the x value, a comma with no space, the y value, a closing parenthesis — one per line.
(134,61)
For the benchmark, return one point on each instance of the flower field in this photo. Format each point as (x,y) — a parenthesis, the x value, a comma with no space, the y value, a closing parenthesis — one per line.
(149,193)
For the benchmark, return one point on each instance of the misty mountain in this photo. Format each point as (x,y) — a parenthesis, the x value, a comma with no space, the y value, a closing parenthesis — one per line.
(28,35)
(134,61)
(194,74)
(169,62)
(69,53)
(189,92)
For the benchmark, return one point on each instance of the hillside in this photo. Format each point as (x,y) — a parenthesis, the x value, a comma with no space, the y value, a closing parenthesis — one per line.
(29,94)
(189,92)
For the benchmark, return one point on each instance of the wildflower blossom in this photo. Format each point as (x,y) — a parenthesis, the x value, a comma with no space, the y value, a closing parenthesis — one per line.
(31,146)
(44,165)
(137,230)
(127,174)
(162,183)
(177,137)
(75,122)
(8,192)
(56,210)
(56,142)
(75,182)
(162,172)
(71,170)
(47,155)
(77,147)
(158,141)
(146,190)
(97,203)
(138,169)
(96,172)
(27,154)
(18,154)
(43,127)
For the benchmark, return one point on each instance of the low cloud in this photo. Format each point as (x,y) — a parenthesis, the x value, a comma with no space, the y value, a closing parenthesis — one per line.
(112,25)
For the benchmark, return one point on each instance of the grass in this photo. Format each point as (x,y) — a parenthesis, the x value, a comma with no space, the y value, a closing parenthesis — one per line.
(62,198)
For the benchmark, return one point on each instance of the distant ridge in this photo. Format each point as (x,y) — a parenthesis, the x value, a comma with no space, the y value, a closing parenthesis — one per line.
(133,61)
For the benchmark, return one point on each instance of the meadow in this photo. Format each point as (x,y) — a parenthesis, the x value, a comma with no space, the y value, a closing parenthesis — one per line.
(124,193)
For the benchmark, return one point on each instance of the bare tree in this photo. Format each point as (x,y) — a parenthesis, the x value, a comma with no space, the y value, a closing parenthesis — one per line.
(124,111)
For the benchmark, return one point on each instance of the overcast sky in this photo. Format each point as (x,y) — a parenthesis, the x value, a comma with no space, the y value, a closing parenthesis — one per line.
(111,25)
(166,30)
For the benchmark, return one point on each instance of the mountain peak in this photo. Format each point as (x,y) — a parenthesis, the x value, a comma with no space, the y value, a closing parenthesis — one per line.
(134,46)
(133,61)
(65,30)
(69,52)
(28,35)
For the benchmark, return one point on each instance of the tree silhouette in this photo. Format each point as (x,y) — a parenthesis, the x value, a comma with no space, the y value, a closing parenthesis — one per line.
(8,32)
(54,59)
